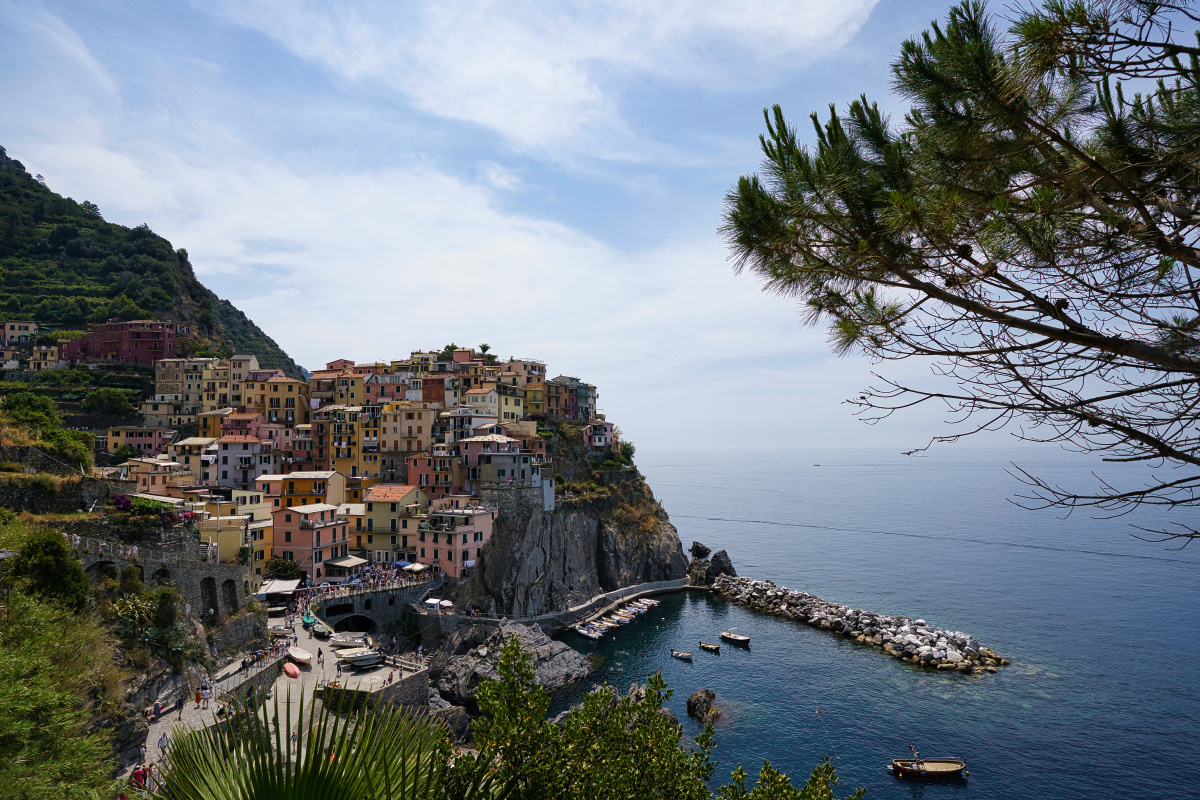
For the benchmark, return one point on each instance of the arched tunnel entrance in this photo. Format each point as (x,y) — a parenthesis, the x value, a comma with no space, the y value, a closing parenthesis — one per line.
(355,622)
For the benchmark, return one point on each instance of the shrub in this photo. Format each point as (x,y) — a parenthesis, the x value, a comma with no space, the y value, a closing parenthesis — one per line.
(108,401)
(45,563)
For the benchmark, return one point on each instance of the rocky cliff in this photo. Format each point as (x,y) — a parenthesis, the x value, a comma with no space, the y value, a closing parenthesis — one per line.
(607,532)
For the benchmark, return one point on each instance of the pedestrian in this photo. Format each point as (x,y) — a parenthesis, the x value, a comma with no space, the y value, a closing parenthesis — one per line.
(320,656)
(198,698)
(293,741)
(151,777)
(206,695)
(163,742)
(339,669)
(142,754)
(139,777)
(157,710)
(179,704)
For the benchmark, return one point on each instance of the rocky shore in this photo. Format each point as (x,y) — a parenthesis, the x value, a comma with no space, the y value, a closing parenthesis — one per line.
(910,640)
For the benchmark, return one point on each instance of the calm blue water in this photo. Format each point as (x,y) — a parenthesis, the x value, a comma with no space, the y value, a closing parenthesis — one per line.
(1101,700)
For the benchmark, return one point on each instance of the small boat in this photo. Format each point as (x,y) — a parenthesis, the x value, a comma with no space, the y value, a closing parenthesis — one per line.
(291,670)
(308,619)
(364,656)
(299,655)
(929,768)
(712,648)
(278,630)
(277,611)
(735,638)
(682,656)
(341,640)
(322,631)
(590,633)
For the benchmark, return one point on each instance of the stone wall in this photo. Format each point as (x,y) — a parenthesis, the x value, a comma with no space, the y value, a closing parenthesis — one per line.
(248,631)
(32,457)
(49,496)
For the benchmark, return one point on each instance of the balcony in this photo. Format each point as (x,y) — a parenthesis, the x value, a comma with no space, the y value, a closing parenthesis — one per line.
(321,523)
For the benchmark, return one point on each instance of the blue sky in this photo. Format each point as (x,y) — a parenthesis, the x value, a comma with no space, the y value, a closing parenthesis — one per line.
(366,178)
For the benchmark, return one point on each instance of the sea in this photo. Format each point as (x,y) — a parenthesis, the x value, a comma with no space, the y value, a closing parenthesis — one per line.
(1101,700)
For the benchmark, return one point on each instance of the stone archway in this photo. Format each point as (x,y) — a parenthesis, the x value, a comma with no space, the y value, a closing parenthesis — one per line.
(161,576)
(339,609)
(229,597)
(208,596)
(103,569)
(355,622)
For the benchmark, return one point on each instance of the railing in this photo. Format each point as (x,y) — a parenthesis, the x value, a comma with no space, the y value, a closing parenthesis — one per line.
(231,682)
(319,523)
(101,550)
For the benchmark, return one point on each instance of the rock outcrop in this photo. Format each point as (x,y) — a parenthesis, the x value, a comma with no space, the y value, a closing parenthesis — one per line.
(607,532)
(900,637)
(636,693)
(555,664)
(700,706)
(702,571)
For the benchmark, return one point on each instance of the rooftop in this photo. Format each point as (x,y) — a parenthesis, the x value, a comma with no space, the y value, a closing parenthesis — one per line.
(387,492)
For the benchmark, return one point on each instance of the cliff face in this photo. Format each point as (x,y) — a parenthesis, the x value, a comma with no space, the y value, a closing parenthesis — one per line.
(607,532)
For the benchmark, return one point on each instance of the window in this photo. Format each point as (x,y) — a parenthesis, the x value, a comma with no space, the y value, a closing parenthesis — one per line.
(422,552)
(287,517)
(287,536)
(404,542)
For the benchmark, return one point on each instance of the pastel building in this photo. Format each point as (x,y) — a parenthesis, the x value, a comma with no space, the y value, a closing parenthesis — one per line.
(312,536)
(242,459)
(150,441)
(452,538)
(392,514)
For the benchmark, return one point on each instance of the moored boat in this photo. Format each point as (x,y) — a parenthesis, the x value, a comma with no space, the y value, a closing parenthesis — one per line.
(299,655)
(322,631)
(361,656)
(733,637)
(278,630)
(308,619)
(712,648)
(682,656)
(291,670)
(928,768)
(588,632)
(339,640)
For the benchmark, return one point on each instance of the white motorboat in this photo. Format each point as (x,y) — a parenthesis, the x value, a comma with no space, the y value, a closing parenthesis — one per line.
(299,655)
(340,640)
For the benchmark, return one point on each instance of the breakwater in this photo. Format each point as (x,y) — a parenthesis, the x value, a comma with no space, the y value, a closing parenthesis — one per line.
(911,640)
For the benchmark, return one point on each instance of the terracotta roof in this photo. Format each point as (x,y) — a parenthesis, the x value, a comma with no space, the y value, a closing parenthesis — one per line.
(233,437)
(387,492)
(280,379)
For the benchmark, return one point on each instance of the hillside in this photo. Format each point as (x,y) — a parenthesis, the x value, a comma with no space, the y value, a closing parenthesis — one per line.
(62,265)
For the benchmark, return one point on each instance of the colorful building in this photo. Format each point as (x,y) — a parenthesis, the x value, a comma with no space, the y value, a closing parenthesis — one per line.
(392,514)
(142,342)
(150,441)
(310,536)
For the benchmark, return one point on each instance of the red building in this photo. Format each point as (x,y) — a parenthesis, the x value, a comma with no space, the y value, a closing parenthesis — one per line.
(141,341)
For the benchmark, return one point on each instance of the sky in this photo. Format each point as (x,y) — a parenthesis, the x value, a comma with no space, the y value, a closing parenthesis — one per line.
(368,178)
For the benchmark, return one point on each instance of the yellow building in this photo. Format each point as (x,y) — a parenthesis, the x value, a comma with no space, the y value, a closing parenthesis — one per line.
(196,453)
(406,427)
(260,535)
(303,488)
(43,357)
(210,422)
(281,400)
(392,514)
(535,398)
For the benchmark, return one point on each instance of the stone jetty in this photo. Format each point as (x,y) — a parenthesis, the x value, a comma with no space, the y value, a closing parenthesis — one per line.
(910,640)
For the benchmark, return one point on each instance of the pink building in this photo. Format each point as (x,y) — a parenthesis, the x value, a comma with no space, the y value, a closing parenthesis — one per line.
(151,441)
(142,341)
(453,538)
(312,536)
(599,435)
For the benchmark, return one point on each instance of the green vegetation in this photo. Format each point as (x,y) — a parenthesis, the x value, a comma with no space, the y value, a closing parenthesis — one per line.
(113,402)
(1030,223)
(127,451)
(149,621)
(58,675)
(282,569)
(36,416)
(61,264)
(45,565)
(611,748)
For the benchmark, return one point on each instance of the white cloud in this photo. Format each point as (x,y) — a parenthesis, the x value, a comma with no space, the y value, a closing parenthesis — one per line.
(537,73)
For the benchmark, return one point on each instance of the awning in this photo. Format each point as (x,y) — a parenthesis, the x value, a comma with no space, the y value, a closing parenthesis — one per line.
(279,587)
(401,563)
(346,562)
(417,567)
(447,604)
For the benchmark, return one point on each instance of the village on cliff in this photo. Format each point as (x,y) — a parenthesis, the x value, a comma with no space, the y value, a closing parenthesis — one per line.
(361,465)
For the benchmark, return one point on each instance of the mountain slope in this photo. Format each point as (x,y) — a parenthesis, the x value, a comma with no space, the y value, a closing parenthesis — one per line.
(62,265)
